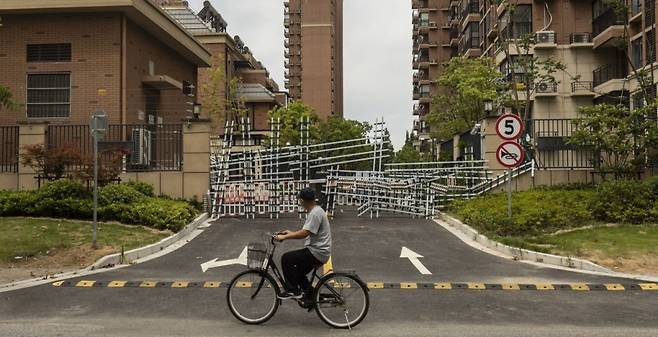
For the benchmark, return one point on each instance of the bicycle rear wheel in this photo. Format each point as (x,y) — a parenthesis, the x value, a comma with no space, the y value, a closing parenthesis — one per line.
(252,297)
(342,300)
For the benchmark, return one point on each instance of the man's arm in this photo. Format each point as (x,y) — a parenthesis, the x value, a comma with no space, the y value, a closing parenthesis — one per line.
(288,235)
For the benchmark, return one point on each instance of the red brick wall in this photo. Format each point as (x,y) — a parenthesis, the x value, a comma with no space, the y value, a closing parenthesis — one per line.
(95,63)
(142,48)
(96,59)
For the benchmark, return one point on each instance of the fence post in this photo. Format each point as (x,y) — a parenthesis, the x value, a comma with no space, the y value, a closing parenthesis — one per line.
(196,158)
(29,134)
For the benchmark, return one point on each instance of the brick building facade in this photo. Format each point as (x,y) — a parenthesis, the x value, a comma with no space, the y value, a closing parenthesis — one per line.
(66,59)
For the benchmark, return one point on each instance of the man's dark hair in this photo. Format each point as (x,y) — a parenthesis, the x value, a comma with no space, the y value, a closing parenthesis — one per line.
(306,194)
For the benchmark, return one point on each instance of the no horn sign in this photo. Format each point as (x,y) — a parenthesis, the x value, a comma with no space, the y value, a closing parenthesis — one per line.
(510,154)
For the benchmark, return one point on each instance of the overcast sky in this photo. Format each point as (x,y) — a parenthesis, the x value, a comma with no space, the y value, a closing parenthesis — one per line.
(377,53)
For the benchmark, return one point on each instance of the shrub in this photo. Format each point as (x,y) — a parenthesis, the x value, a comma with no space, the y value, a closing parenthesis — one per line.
(71,208)
(627,201)
(119,194)
(653,186)
(162,213)
(144,188)
(17,203)
(533,212)
(63,188)
(51,163)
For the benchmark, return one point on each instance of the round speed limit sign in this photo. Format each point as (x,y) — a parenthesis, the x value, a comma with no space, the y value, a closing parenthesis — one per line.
(509,127)
(510,154)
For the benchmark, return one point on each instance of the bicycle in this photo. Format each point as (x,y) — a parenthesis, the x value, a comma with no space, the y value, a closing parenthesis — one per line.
(253,295)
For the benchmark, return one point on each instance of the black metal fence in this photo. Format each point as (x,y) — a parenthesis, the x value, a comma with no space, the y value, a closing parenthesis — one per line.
(148,147)
(609,72)
(8,149)
(552,150)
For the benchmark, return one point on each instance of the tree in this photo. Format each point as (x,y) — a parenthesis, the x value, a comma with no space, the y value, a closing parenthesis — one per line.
(213,98)
(51,164)
(290,122)
(6,99)
(524,72)
(409,154)
(465,85)
(621,139)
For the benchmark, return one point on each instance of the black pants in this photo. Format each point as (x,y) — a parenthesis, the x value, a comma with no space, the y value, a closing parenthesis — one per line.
(296,265)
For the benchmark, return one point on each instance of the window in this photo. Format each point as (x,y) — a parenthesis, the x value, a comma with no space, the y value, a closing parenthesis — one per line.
(519,24)
(48,95)
(636,53)
(49,52)
(651,46)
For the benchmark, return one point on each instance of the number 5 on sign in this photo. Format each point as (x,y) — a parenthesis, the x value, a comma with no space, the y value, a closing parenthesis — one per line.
(509,127)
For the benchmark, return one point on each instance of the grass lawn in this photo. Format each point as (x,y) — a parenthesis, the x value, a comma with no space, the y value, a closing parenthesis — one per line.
(629,248)
(53,241)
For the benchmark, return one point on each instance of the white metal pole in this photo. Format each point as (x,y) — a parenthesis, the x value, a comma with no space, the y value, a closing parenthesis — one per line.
(94,243)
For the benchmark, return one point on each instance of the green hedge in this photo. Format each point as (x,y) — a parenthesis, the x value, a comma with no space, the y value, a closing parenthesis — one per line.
(130,203)
(546,210)
(533,212)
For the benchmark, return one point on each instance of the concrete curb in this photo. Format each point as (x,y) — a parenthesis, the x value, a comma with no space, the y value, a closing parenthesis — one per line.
(113,261)
(476,240)
(138,253)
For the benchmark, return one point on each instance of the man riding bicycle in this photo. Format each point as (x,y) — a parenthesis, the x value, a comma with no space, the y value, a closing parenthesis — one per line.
(297,264)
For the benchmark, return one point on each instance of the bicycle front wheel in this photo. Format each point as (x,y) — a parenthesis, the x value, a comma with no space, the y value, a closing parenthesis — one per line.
(252,297)
(342,300)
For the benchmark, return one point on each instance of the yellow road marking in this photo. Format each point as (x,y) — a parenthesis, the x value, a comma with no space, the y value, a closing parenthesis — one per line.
(147,284)
(180,284)
(243,285)
(375,285)
(544,286)
(614,286)
(210,284)
(58,283)
(328,267)
(649,286)
(479,286)
(510,286)
(85,284)
(442,286)
(116,284)
(408,285)
(579,286)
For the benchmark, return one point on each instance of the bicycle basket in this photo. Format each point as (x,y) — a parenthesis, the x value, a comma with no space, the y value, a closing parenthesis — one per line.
(256,255)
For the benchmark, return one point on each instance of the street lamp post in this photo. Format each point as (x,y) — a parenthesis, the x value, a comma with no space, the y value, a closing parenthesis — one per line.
(98,127)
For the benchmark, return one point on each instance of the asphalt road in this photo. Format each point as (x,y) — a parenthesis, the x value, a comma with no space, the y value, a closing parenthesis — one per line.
(372,248)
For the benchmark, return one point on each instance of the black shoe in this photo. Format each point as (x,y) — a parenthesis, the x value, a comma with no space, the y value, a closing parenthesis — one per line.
(290,296)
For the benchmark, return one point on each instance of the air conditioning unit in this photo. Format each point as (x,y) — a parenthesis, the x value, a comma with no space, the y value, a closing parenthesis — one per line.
(546,87)
(545,37)
(142,140)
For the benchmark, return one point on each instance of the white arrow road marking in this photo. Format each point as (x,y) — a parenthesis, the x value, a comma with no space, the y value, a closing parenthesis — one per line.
(242,259)
(407,253)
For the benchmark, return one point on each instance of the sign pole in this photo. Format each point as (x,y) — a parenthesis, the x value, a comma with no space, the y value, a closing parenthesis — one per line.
(94,244)
(97,127)
(509,193)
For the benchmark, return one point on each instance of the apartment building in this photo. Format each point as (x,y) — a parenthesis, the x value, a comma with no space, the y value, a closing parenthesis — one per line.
(433,35)
(64,60)
(256,89)
(314,54)
(583,35)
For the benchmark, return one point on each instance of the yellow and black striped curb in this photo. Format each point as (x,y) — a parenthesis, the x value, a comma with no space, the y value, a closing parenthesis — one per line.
(377,285)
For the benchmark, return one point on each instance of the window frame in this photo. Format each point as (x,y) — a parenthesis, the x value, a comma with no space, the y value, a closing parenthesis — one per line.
(27,95)
(39,60)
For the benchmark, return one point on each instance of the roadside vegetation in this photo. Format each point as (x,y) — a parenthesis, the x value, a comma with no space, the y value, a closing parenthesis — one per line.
(129,203)
(30,239)
(613,223)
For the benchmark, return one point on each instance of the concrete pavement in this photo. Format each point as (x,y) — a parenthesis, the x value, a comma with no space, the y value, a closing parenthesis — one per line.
(372,248)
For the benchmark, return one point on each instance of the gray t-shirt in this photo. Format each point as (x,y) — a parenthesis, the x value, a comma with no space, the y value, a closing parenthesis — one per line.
(319,242)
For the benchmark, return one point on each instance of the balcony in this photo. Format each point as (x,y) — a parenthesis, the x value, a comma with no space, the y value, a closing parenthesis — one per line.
(582,88)
(419,109)
(516,30)
(615,73)
(415,16)
(580,40)
(606,27)
(471,7)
